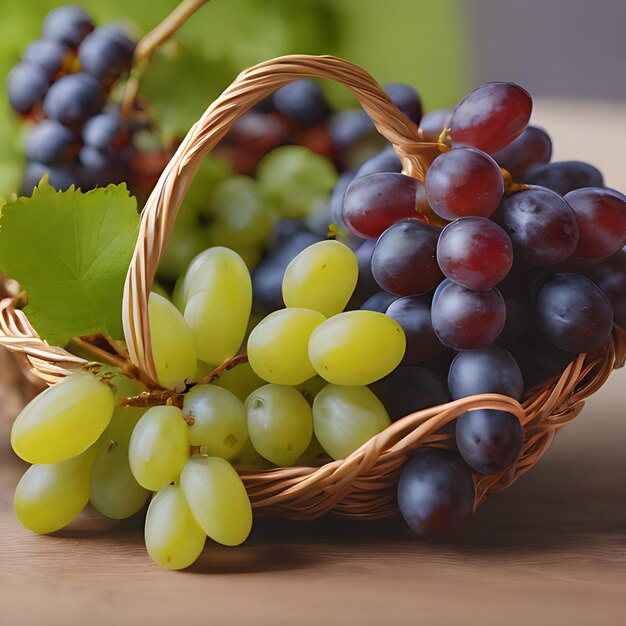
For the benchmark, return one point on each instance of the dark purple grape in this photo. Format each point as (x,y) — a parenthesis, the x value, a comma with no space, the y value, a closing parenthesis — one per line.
(406,99)
(265,106)
(73,99)
(474,252)
(610,275)
(337,196)
(404,259)
(573,313)
(464,182)
(373,203)
(435,493)
(61,178)
(303,102)
(539,360)
(385,161)
(518,308)
(380,302)
(489,441)
(601,217)
(488,370)
(366,286)
(26,87)
(106,53)
(102,167)
(465,319)
(409,389)
(434,122)
(51,143)
(413,314)
(491,117)
(541,225)
(532,148)
(67,24)
(48,56)
(565,176)
(103,130)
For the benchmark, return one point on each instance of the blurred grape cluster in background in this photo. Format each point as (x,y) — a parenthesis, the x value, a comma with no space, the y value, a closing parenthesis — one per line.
(225,37)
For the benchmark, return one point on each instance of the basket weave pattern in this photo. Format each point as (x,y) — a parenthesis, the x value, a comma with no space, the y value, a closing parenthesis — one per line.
(364,484)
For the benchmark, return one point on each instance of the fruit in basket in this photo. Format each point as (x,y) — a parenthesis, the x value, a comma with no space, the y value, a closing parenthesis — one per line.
(64,420)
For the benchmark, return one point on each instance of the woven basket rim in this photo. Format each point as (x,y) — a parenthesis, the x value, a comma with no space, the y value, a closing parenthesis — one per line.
(363,484)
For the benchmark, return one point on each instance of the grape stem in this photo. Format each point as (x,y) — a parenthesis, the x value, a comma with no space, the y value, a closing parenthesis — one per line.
(149,44)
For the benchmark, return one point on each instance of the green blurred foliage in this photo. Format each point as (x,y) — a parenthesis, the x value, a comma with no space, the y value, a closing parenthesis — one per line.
(415,41)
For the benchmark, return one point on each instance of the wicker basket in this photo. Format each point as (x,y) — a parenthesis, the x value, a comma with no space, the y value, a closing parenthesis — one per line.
(364,484)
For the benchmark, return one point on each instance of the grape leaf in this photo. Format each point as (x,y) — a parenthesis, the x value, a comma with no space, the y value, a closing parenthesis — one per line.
(70,252)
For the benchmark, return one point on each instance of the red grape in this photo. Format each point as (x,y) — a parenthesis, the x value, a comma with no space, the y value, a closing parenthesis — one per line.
(474,252)
(374,202)
(465,319)
(532,148)
(491,117)
(464,182)
(403,262)
(564,176)
(601,217)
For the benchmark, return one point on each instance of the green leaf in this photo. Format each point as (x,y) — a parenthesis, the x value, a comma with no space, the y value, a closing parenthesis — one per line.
(70,252)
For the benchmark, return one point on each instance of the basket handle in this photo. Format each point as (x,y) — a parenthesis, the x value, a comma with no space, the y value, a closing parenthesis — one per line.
(250,87)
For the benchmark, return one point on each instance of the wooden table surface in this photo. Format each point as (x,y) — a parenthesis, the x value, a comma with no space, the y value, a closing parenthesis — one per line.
(550,550)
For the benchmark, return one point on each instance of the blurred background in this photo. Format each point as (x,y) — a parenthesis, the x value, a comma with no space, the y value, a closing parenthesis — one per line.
(554,48)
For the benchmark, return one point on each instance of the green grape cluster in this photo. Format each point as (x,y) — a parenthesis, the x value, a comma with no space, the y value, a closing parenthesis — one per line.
(300,398)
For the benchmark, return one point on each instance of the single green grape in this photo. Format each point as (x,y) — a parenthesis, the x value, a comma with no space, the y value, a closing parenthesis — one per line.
(50,496)
(280,423)
(240,380)
(344,418)
(173,537)
(296,180)
(217,498)
(278,348)
(356,347)
(64,420)
(218,420)
(173,351)
(241,213)
(322,277)
(218,297)
(159,447)
(248,459)
(314,455)
(114,491)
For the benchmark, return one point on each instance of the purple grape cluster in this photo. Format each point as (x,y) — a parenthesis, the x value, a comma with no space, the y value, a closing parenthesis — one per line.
(62,87)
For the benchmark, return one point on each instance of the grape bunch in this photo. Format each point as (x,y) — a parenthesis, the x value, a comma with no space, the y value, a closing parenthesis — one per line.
(62,88)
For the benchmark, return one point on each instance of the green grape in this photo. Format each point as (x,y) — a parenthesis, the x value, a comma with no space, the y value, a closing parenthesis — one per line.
(357,347)
(217,499)
(240,380)
(241,214)
(50,496)
(278,348)
(114,491)
(310,388)
(173,537)
(219,420)
(314,455)
(159,447)
(64,420)
(280,423)
(344,418)
(187,240)
(322,277)
(248,459)
(218,296)
(206,272)
(173,351)
(296,180)
(203,370)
